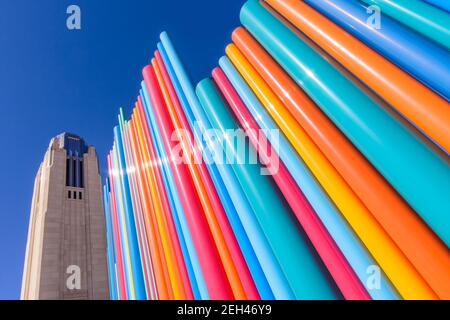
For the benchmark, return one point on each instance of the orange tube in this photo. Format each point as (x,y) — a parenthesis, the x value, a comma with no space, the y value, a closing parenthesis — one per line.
(405,278)
(424,108)
(167,237)
(168,218)
(158,259)
(230,268)
(420,245)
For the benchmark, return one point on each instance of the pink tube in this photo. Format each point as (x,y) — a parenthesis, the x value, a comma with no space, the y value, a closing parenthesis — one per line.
(169,219)
(339,268)
(137,209)
(214,273)
(230,239)
(117,247)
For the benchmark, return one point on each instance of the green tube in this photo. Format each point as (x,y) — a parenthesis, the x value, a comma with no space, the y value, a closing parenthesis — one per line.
(421,176)
(298,260)
(418,15)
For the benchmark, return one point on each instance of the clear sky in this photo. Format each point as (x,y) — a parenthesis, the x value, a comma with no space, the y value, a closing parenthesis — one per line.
(54,80)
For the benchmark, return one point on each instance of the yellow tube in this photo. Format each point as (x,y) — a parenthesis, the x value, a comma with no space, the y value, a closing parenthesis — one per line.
(174,275)
(397,267)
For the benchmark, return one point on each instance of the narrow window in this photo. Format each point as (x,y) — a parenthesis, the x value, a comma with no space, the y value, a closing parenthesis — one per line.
(80,196)
(67,172)
(81,174)
(75,195)
(69,195)
(74,173)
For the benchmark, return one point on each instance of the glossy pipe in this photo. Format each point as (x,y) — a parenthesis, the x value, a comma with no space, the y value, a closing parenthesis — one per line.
(240,279)
(269,264)
(175,236)
(371,129)
(158,248)
(155,246)
(121,285)
(387,254)
(109,243)
(425,251)
(262,289)
(419,16)
(213,270)
(298,260)
(441,4)
(171,247)
(140,171)
(137,209)
(153,135)
(122,224)
(348,242)
(163,255)
(424,108)
(337,265)
(422,58)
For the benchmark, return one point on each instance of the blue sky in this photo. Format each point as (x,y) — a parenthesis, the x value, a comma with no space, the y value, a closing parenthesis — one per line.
(54,80)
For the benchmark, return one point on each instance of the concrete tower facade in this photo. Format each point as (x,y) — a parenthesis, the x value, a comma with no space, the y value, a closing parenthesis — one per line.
(66,249)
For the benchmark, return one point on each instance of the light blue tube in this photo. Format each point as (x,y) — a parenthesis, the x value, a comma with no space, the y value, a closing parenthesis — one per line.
(422,58)
(299,261)
(173,208)
(199,283)
(421,176)
(263,251)
(441,4)
(122,224)
(244,243)
(109,243)
(136,265)
(347,241)
(419,16)
(136,207)
(175,215)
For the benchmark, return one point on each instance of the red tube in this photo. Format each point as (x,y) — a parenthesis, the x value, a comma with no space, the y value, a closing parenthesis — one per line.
(118,247)
(425,250)
(215,277)
(236,255)
(156,248)
(168,215)
(339,268)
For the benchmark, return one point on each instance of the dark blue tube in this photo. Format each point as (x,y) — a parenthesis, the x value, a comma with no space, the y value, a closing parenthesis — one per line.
(441,4)
(136,264)
(425,60)
(244,243)
(109,243)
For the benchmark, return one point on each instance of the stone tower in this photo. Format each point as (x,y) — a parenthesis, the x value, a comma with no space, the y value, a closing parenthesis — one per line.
(66,249)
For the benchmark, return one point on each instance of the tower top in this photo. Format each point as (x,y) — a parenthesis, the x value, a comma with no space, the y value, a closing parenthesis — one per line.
(72,143)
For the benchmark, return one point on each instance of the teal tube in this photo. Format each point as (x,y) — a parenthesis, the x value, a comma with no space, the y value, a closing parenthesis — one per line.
(109,243)
(136,264)
(244,243)
(199,285)
(419,16)
(349,244)
(277,281)
(441,4)
(296,256)
(122,223)
(421,176)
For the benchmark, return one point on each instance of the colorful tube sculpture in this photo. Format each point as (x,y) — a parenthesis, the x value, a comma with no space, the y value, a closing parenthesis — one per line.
(283,177)
(419,16)
(425,60)
(441,4)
